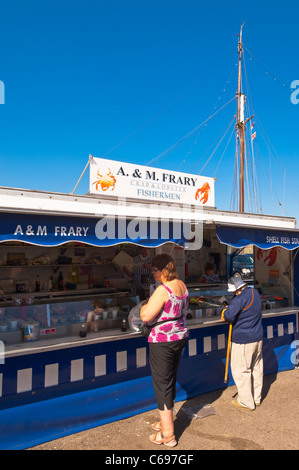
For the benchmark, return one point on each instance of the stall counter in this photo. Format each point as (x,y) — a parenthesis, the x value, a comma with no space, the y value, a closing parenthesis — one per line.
(115,334)
(87,382)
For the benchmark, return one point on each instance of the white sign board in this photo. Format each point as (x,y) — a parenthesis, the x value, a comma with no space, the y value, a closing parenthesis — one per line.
(112,178)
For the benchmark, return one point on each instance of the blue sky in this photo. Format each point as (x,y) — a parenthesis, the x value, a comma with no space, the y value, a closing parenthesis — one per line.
(128,79)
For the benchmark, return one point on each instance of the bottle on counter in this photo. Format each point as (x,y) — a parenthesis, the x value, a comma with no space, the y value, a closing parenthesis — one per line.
(189,315)
(83,331)
(37,284)
(124,325)
(50,283)
(60,281)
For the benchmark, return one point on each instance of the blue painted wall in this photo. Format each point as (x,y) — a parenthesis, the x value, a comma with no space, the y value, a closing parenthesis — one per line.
(40,414)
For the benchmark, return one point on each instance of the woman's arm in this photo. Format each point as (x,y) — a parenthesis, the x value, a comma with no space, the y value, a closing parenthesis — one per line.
(155,304)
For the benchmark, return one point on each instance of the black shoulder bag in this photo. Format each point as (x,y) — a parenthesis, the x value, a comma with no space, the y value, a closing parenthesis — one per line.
(146,329)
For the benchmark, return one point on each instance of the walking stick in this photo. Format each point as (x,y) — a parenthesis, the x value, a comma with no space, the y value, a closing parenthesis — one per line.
(228,352)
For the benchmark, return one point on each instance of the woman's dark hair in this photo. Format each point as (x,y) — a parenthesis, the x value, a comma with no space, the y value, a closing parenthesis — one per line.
(166,265)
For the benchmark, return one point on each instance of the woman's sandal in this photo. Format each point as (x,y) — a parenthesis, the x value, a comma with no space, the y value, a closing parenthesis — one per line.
(167,441)
(157,426)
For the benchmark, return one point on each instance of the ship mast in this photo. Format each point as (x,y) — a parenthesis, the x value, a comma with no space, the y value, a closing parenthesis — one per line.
(241,123)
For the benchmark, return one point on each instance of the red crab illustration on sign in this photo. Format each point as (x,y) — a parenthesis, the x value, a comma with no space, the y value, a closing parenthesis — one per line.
(271,258)
(203,192)
(107,181)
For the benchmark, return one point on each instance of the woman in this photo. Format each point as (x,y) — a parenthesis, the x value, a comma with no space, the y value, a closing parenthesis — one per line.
(166,341)
(210,275)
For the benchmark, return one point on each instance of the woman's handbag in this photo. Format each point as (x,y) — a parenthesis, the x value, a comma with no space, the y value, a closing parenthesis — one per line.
(146,329)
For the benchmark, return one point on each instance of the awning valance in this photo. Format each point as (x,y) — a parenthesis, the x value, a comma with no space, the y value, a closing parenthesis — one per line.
(239,237)
(52,230)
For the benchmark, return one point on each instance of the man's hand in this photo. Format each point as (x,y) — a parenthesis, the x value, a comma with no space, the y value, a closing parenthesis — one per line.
(222,314)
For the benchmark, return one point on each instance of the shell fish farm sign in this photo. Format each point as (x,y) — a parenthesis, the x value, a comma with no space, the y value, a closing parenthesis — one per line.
(126,180)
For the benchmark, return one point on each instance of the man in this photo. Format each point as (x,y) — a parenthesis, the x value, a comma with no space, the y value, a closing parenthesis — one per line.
(245,314)
(141,271)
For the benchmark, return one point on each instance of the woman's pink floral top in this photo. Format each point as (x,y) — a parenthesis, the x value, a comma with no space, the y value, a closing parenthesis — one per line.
(174,308)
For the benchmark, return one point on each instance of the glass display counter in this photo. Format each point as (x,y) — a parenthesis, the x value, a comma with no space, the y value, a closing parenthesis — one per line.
(274,296)
(207,301)
(47,315)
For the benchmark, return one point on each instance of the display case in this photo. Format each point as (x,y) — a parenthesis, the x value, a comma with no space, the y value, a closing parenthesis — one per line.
(206,302)
(29,269)
(275,296)
(47,316)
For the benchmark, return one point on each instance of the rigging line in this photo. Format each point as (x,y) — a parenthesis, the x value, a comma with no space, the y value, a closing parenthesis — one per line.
(268,72)
(248,88)
(167,106)
(262,131)
(182,139)
(295,188)
(189,152)
(226,84)
(261,127)
(212,144)
(249,177)
(284,189)
(283,167)
(63,184)
(224,152)
(246,178)
(259,189)
(235,180)
(246,161)
(269,144)
(270,168)
(215,107)
(255,181)
(216,147)
(268,177)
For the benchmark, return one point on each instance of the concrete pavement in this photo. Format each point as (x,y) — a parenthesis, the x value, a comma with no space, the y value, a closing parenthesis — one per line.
(272,426)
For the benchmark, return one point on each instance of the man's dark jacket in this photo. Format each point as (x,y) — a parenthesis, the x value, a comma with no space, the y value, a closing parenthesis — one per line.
(245,313)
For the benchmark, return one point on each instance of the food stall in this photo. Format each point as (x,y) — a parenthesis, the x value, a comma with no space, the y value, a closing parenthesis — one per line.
(61,262)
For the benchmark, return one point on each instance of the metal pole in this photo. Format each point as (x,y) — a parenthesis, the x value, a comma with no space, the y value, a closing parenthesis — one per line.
(241,124)
(228,352)
(86,166)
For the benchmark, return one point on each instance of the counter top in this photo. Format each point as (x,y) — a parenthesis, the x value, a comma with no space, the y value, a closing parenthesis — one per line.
(52,343)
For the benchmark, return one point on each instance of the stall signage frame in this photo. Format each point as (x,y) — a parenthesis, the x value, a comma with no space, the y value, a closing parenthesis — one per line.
(118,179)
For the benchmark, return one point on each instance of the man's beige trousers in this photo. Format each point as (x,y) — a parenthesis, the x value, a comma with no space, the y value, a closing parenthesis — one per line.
(247,372)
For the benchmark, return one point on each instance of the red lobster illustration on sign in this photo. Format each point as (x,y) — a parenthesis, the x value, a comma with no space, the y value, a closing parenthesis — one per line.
(203,192)
(271,258)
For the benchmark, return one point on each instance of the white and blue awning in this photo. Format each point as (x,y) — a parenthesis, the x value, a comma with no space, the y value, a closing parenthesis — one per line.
(55,230)
(239,237)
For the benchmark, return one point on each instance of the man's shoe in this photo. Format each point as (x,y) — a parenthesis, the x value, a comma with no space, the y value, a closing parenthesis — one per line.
(238,406)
